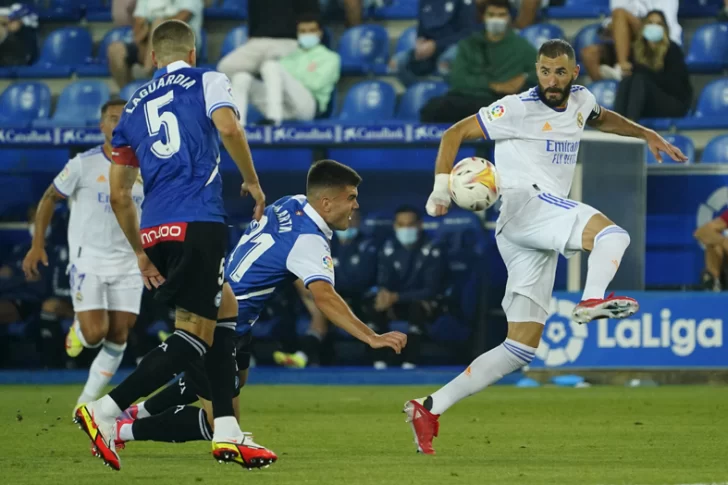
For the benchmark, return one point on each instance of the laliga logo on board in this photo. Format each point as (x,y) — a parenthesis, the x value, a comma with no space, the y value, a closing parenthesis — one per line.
(563,339)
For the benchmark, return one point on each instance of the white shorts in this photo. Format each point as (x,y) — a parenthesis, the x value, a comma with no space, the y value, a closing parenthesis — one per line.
(530,243)
(112,293)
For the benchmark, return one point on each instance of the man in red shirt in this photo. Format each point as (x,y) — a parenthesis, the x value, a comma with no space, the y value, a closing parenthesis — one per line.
(712,235)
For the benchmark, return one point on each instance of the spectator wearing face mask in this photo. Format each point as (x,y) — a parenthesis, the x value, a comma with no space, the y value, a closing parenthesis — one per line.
(660,83)
(18,35)
(410,281)
(296,87)
(489,65)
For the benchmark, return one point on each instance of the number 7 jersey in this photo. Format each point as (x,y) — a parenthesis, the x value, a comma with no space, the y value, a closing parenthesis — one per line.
(166,129)
(290,242)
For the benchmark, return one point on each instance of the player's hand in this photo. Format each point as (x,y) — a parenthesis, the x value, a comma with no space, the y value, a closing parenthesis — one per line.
(659,145)
(626,68)
(150,273)
(257,193)
(438,203)
(394,340)
(31,260)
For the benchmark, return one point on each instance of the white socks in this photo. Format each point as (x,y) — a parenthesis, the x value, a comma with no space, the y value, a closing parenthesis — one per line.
(102,370)
(487,369)
(227,429)
(609,247)
(142,411)
(125,432)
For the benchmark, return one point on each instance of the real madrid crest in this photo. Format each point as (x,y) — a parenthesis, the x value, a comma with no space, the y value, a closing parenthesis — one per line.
(580,120)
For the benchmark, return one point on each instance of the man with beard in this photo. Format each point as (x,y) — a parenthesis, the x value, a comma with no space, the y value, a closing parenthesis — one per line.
(537,135)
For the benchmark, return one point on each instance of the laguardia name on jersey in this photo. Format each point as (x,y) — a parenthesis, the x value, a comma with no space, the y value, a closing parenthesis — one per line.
(291,241)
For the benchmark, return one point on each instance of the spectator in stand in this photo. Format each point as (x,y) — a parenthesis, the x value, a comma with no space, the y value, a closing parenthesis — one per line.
(659,84)
(626,27)
(122,12)
(352,9)
(410,281)
(489,65)
(123,57)
(18,35)
(272,34)
(441,25)
(713,236)
(723,14)
(296,87)
(529,11)
(355,266)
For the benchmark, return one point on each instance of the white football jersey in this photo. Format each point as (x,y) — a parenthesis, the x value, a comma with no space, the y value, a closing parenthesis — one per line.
(534,143)
(96,242)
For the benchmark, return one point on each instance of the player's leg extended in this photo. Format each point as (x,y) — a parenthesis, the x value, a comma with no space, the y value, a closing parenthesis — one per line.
(607,243)
(87,332)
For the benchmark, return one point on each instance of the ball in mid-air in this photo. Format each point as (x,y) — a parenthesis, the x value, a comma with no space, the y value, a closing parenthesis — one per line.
(474,184)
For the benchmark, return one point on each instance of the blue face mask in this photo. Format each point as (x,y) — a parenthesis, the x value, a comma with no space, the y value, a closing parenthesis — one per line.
(309,41)
(406,235)
(348,234)
(653,32)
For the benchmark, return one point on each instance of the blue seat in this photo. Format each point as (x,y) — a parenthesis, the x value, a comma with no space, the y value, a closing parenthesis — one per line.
(377,226)
(711,111)
(708,49)
(59,10)
(537,34)
(21,103)
(397,9)
(407,40)
(234,39)
(99,66)
(364,49)
(684,143)
(588,35)
(128,91)
(227,10)
(415,98)
(573,9)
(63,50)
(716,151)
(700,9)
(79,105)
(605,92)
(369,101)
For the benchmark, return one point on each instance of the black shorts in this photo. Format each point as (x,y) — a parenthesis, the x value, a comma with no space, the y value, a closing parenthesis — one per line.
(191,257)
(196,375)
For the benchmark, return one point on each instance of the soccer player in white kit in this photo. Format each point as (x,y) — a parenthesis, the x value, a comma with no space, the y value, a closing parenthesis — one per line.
(106,285)
(537,135)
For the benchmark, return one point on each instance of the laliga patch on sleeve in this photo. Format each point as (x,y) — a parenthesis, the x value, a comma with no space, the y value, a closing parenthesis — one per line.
(497,111)
(328,263)
(64,173)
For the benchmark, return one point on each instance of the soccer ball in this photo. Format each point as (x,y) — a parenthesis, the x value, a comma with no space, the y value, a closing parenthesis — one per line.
(474,184)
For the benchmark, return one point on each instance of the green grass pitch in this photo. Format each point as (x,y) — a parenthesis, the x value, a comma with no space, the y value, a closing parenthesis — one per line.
(357,435)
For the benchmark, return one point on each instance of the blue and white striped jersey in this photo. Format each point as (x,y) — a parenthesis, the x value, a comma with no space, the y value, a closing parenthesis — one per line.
(291,241)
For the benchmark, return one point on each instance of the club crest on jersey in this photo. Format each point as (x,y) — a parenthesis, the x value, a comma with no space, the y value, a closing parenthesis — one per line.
(580,120)
(497,111)
(328,262)
(79,296)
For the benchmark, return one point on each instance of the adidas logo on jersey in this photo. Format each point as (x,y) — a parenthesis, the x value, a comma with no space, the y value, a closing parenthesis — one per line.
(546,127)
(101,178)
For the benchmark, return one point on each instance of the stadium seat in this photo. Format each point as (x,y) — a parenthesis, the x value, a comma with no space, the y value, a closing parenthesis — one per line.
(699,9)
(227,10)
(59,10)
(21,103)
(98,10)
(708,49)
(99,66)
(605,92)
(684,143)
(79,105)
(537,34)
(407,40)
(415,98)
(63,50)
(128,91)
(369,101)
(364,49)
(202,48)
(586,36)
(574,9)
(716,151)
(234,39)
(396,10)
(712,108)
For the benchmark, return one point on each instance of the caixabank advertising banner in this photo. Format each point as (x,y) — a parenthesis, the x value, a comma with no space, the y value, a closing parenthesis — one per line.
(671,330)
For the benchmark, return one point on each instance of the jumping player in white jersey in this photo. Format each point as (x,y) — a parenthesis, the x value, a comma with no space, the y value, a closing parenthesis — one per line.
(537,135)
(106,285)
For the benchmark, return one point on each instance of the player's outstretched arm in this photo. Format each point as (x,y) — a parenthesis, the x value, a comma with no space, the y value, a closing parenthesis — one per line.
(466,129)
(234,141)
(43,216)
(339,313)
(610,122)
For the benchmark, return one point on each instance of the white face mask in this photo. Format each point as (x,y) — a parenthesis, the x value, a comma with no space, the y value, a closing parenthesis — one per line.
(308,41)
(496,26)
